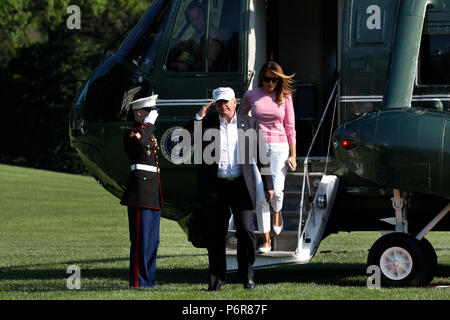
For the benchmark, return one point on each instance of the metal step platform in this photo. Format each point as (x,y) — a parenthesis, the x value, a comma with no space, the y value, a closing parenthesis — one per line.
(293,245)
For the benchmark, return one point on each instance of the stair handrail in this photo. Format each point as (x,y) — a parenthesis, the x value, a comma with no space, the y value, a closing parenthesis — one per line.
(306,171)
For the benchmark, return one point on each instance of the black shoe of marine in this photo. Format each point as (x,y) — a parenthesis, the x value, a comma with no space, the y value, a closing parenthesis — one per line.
(249,284)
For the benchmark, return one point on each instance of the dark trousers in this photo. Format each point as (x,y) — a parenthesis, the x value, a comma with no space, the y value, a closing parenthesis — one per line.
(230,195)
(144,237)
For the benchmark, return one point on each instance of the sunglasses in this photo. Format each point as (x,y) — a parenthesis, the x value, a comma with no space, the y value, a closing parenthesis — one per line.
(269,79)
(149,109)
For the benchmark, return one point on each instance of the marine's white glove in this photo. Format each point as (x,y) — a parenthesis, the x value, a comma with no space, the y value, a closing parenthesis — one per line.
(151,117)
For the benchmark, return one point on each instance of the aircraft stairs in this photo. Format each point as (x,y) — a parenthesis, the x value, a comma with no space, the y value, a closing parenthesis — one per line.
(294,245)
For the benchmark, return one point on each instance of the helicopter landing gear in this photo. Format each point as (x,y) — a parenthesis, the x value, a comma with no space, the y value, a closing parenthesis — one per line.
(404,260)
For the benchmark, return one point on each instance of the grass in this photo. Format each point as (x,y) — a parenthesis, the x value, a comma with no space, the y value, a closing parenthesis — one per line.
(50,221)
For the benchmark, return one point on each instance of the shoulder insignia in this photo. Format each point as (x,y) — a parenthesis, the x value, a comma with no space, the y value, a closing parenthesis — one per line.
(135,134)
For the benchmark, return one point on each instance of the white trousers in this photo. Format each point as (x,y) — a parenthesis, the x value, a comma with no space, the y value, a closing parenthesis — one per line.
(278,153)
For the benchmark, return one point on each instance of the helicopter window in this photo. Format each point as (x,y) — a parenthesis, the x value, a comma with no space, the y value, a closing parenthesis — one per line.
(434,62)
(144,53)
(188,46)
(224,36)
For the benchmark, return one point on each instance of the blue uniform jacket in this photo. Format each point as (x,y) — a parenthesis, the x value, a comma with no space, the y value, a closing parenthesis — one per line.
(143,187)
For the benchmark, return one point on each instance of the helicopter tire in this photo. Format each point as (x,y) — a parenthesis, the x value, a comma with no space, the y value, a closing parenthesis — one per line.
(402,260)
(431,262)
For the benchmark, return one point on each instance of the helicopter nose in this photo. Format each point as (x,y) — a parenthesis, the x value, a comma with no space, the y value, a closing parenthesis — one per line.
(346,138)
(349,146)
(349,143)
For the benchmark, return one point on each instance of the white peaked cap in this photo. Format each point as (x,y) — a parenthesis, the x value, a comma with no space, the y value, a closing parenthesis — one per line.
(223,93)
(147,102)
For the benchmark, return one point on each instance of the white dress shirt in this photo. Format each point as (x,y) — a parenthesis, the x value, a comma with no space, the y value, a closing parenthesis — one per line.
(229,167)
(228,162)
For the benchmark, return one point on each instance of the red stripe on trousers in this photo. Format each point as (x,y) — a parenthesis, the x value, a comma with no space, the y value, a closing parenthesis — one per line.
(136,256)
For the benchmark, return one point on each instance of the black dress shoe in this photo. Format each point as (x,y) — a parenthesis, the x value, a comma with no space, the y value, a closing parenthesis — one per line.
(214,289)
(215,285)
(249,284)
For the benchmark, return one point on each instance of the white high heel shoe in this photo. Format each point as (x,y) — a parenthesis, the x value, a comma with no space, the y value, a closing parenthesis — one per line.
(278,229)
(265,249)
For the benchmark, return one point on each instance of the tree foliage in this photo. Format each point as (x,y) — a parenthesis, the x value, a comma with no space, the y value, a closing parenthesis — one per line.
(43,65)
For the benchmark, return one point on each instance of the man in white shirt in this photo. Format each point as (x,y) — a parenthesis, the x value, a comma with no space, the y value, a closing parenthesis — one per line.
(229,183)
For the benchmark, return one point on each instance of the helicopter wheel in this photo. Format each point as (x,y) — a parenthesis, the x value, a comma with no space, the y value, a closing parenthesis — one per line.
(402,260)
(431,262)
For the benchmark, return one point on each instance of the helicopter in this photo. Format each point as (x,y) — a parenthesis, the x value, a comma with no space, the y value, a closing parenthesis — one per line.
(372,107)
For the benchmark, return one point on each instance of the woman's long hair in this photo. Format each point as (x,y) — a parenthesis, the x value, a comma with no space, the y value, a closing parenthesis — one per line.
(285,82)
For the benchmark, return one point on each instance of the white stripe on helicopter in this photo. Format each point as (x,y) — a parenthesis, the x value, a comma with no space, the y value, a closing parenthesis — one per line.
(202,102)
(184,102)
(433,97)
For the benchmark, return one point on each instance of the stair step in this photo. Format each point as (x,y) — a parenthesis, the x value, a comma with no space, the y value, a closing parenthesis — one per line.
(285,241)
(289,191)
(273,254)
(296,184)
(284,246)
(294,205)
(300,174)
(284,233)
(290,220)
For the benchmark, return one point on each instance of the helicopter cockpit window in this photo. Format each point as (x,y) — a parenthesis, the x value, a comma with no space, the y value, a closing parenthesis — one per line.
(434,62)
(188,48)
(144,53)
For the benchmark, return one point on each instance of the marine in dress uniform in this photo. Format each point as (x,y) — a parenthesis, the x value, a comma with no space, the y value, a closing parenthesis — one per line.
(143,193)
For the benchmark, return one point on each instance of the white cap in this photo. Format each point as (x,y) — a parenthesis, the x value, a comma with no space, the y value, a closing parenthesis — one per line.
(147,102)
(223,93)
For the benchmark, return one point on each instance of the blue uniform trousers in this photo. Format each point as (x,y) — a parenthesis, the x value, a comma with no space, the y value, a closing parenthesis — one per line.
(144,237)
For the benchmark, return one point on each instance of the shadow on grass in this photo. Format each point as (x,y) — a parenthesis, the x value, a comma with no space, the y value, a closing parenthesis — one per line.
(101,279)
(95,279)
(442,271)
(26,279)
(53,276)
(50,270)
(337,274)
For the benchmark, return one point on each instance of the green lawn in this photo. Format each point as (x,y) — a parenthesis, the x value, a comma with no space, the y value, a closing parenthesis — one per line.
(50,221)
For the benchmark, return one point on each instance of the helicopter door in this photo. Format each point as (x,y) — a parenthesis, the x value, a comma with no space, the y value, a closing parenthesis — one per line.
(302,36)
(202,52)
